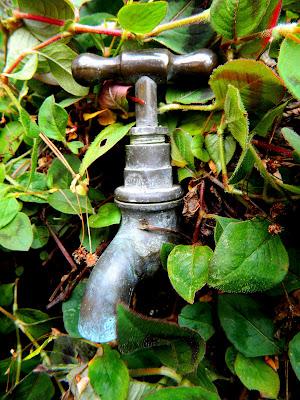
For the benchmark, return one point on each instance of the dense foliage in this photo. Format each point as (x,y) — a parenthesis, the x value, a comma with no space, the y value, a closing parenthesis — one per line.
(227,301)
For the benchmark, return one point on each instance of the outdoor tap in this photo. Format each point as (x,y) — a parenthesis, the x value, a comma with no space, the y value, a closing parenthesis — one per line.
(148,198)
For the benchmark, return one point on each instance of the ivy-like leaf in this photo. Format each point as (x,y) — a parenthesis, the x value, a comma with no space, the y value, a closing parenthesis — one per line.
(108,214)
(103,142)
(17,235)
(188,269)
(260,88)
(246,326)
(247,258)
(58,9)
(255,374)
(178,348)
(231,18)
(109,375)
(53,119)
(142,17)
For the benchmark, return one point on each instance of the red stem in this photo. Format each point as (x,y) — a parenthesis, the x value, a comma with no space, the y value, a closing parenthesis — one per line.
(272,147)
(79,28)
(40,18)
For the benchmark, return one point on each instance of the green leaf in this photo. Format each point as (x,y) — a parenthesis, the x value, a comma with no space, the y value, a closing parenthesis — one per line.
(246,326)
(8,210)
(58,176)
(181,95)
(40,236)
(33,387)
(11,137)
(188,269)
(233,19)
(294,354)
(178,348)
(30,127)
(59,9)
(37,322)
(74,146)
(198,316)
(35,183)
(138,390)
(212,146)
(53,119)
(255,374)
(27,70)
(60,58)
(197,148)
(247,258)
(181,152)
(183,393)
(260,88)
(189,38)
(264,126)
(6,294)
(292,138)
(230,357)
(243,167)
(68,202)
(103,142)
(71,309)
(17,235)
(108,214)
(142,17)
(221,224)
(109,376)
(236,116)
(165,250)
(288,66)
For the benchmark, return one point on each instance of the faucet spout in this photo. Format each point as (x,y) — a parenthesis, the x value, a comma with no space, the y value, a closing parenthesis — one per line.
(133,254)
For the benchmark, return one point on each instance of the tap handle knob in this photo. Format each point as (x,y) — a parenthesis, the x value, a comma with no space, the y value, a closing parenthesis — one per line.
(158,64)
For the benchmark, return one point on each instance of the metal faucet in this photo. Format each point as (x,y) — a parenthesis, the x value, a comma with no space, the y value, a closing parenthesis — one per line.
(148,195)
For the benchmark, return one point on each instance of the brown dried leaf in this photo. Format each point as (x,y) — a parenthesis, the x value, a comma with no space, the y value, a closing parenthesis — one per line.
(107,117)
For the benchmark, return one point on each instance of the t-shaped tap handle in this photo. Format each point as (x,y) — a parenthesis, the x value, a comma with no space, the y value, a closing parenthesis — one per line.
(158,64)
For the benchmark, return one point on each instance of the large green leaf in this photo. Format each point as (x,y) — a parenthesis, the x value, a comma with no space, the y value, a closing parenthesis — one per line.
(8,210)
(11,137)
(233,19)
(197,316)
(236,116)
(188,269)
(142,17)
(260,88)
(247,258)
(60,58)
(59,9)
(71,309)
(109,376)
(34,386)
(178,348)
(37,182)
(40,236)
(246,326)
(187,38)
(17,235)
(255,374)
(103,142)
(68,202)
(58,176)
(294,354)
(6,294)
(288,66)
(53,119)
(108,214)
(181,151)
(183,393)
